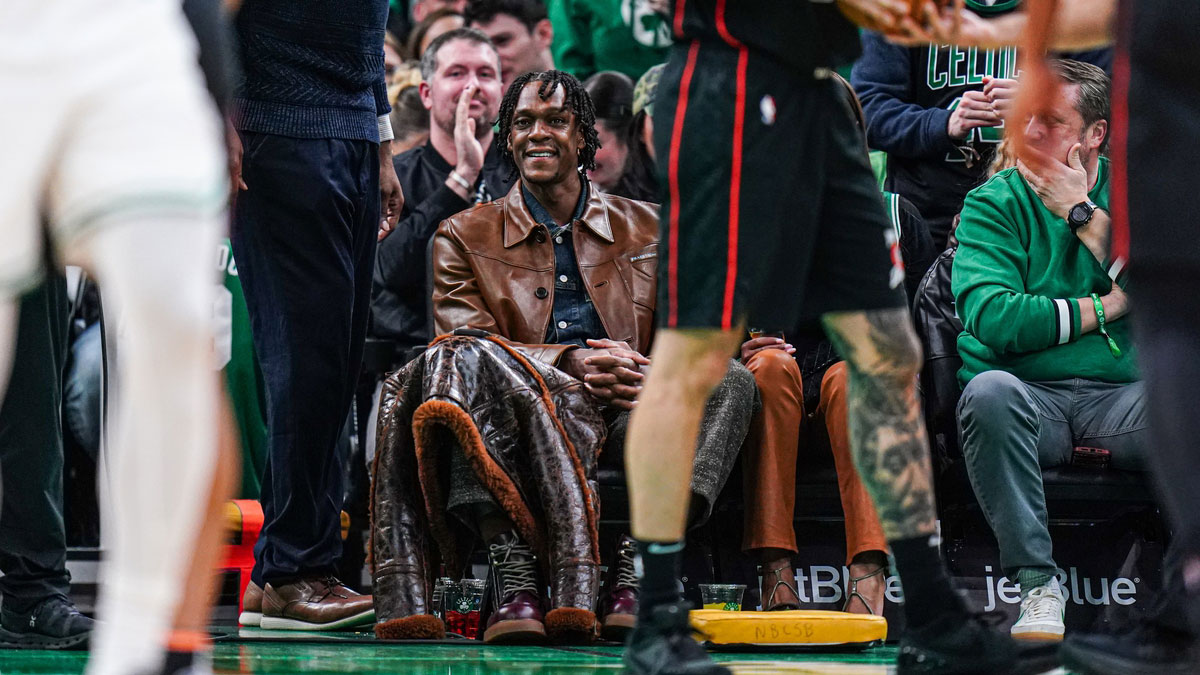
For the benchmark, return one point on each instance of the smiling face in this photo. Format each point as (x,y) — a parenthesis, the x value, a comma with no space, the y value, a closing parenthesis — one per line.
(1061,127)
(610,157)
(459,63)
(545,137)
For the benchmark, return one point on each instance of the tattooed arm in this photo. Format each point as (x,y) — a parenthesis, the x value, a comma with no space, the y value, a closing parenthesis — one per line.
(887,431)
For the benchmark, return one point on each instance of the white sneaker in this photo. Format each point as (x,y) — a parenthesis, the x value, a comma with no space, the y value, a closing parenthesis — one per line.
(1042,613)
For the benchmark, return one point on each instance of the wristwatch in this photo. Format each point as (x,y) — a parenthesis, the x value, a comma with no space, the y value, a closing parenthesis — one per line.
(1081,214)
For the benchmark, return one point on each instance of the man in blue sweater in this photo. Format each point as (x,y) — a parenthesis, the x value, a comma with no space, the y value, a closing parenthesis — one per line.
(937,111)
(311,113)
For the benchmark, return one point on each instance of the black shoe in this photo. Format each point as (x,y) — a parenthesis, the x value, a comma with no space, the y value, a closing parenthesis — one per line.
(662,645)
(959,644)
(1148,648)
(54,623)
(187,663)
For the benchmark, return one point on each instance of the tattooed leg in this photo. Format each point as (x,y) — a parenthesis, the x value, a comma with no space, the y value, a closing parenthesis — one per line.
(887,433)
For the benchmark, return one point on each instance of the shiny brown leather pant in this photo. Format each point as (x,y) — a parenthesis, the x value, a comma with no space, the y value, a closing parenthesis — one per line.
(769,466)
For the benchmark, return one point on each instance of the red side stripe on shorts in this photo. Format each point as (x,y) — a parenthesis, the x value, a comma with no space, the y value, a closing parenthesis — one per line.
(673,185)
(679,9)
(735,170)
(1119,188)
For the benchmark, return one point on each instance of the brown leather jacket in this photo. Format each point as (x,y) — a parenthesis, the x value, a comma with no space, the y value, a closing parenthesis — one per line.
(494,271)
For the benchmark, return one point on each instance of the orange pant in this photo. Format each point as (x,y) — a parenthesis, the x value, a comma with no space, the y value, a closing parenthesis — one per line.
(769,464)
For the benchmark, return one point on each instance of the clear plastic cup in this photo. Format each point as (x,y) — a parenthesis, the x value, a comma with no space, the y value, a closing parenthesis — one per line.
(722,596)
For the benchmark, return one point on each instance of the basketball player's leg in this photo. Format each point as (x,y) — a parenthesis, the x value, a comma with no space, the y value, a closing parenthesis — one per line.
(856,283)
(887,431)
(687,366)
(158,280)
(137,199)
(1156,120)
(189,632)
(864,311)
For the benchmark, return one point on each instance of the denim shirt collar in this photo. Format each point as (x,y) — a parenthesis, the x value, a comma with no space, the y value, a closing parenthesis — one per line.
(541,215)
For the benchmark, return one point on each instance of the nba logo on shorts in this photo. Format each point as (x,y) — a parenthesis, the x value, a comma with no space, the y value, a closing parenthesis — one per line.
(766,107)
(896,276)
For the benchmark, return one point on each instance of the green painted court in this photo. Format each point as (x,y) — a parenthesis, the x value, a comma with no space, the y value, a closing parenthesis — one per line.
(259,651)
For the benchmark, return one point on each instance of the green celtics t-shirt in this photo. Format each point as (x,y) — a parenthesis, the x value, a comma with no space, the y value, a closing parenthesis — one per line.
(595,35)
(243,379)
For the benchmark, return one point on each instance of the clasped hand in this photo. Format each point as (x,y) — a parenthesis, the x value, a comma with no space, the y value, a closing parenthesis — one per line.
(611,371)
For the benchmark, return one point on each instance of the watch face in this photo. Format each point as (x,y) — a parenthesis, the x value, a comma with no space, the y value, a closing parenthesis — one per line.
(1079,214)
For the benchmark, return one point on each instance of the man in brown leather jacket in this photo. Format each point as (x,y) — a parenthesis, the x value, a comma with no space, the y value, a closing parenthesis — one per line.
(567,274)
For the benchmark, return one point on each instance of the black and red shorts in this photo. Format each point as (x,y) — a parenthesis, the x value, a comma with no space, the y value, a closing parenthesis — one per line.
(771,210)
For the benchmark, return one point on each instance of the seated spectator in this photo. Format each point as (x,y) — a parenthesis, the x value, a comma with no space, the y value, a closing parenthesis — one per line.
(394,56)
(938,112)
(1048,359)
(433,26)
(612,94)
(809,375)
(519,29)
(639,180)
(403,15)
(456,168)
(409,119)
(622,35)
(566,275)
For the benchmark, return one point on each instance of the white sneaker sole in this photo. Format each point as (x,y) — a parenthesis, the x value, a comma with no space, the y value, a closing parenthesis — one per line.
(1038,633)
(250,619)
(283,623)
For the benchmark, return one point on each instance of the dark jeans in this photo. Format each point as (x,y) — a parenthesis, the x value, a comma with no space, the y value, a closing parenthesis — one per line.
(304,240)
(33,543)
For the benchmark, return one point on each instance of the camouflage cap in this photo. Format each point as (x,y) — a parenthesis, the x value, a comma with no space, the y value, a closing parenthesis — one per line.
(643,93)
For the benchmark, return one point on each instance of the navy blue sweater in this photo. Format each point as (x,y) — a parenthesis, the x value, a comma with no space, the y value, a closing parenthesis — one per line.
(312,68)
(907,95)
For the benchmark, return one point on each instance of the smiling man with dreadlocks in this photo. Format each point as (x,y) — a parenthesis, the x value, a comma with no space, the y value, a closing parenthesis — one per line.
(566,275)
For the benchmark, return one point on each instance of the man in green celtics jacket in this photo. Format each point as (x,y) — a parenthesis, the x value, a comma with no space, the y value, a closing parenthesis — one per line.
(1048,362)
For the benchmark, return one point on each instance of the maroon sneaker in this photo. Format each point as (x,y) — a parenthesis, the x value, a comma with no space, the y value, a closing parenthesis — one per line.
(619,601)
(518,610)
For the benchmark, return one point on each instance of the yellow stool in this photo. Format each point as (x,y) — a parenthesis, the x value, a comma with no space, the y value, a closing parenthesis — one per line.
(807,628)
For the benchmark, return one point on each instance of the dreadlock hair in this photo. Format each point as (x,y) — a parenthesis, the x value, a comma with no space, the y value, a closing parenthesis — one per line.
(576,100)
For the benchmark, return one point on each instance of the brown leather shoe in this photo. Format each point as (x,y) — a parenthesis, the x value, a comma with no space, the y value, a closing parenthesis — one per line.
(619,601)
(518,614)
(251,606)
(315,603)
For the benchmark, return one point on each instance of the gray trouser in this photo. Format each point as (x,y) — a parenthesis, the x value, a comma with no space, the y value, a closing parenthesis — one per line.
(723,429)
(1011,429)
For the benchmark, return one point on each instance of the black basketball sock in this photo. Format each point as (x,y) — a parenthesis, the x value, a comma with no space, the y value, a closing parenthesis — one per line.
(928,593)
(659,564)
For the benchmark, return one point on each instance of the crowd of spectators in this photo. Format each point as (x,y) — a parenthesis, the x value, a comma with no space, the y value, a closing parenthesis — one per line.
(523,144)
(935,113)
